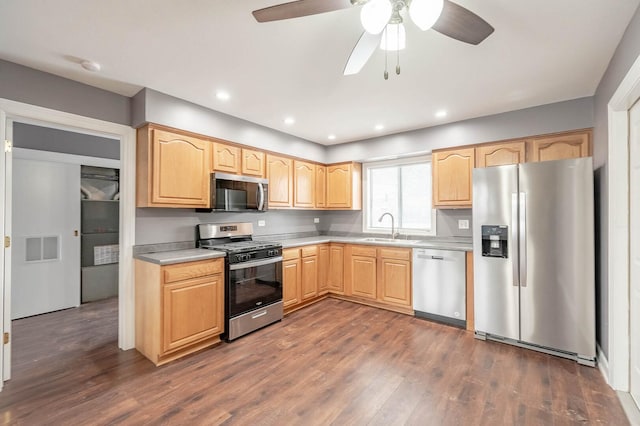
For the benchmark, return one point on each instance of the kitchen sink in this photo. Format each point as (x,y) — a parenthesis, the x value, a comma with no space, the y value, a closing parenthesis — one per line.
(388,240)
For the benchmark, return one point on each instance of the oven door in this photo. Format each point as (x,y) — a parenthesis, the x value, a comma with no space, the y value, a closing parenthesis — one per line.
(254,284)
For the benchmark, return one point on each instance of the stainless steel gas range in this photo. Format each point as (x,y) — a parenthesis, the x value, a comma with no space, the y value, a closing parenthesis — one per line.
(253,276)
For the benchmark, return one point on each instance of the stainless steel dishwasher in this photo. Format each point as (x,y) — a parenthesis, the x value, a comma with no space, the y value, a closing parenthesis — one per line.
(439,290)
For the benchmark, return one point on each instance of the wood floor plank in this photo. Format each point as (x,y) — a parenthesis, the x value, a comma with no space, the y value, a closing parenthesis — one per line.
(334,362)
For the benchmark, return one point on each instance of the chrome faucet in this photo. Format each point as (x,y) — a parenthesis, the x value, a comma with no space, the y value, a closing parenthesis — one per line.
(393,233)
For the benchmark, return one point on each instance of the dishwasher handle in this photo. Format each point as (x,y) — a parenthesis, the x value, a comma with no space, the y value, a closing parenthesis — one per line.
(429,256)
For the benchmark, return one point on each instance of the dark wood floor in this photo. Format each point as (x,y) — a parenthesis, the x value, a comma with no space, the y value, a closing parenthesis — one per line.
(332,363)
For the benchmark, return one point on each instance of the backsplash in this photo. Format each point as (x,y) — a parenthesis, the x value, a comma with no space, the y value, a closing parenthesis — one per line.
(155,225)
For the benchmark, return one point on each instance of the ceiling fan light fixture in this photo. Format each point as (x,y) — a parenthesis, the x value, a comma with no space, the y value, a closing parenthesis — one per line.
(425,13)
(374,15)
(394,37)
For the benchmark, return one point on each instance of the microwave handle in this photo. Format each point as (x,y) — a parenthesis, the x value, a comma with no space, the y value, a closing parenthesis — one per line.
(260,197)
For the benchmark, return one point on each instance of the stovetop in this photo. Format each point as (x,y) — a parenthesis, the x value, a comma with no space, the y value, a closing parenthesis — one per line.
(238,246)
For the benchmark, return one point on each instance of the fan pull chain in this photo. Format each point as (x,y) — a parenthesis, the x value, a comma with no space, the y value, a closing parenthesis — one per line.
(398,52)
(386,74)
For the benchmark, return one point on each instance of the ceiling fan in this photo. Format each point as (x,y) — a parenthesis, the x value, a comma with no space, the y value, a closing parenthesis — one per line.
(383,23)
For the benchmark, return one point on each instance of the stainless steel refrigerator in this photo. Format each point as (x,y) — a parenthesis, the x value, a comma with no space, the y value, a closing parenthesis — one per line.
(533,252)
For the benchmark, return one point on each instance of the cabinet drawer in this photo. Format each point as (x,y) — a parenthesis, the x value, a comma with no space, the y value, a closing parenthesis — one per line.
(290,253)
(309,251)
(395,253)
(363,251)
(185,271)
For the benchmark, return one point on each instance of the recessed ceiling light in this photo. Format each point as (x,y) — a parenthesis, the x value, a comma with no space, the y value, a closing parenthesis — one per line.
(331,137)
(442,113)
(222,95)
(91,66)
(289,121)
(379,127)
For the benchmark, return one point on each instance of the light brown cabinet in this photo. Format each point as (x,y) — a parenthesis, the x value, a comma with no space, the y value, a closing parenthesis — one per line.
(291,277)
(344,186)
(226,158)
(452,171)
(280,176)
(394,276)
(501,154)
(562,146)
(252,162)
(179,308)
(309,275)
(172,169)
(335,280)
(321,187)
(323,269)
(362,272)
(304,184)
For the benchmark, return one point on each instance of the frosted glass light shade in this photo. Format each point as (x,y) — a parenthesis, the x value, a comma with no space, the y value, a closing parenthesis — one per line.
(393,37)
(425,13)
(374,15)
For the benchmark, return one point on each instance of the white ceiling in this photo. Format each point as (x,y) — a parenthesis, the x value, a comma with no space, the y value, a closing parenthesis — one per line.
(541,52)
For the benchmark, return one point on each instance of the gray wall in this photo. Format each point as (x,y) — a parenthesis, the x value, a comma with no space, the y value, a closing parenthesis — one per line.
(626,54)
(172,225)
(30,86)
(551,118)
(47,139)
(150,106)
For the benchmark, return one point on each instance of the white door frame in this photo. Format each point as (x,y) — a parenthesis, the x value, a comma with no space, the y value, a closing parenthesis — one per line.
(618,226)
(25,113)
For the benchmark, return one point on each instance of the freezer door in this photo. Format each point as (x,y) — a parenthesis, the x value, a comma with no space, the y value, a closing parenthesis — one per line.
(496,292)
(557,270)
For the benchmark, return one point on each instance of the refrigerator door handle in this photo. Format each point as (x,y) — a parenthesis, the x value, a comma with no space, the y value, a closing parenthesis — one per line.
(523,239)
(514,238)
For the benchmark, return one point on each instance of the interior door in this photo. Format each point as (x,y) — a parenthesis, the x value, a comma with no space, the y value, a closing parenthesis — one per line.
(45,264)
(634,240)
(557,289)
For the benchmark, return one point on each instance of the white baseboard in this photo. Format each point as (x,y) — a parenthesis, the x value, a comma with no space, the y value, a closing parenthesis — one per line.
(603,364)
(630,408)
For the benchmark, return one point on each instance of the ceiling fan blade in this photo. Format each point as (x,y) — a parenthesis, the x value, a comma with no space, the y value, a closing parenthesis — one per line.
(296,9)
(361,52)
(461,24)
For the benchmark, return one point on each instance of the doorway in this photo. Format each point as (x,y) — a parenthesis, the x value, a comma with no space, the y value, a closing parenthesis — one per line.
(11,112)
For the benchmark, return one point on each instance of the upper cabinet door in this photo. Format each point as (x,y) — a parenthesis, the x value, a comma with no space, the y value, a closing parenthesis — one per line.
(560,147)
(252,162)
(344,187)
(280,176)
(500,154)
(304,184)
(226,158)
(172,170)
(452,172)
(321,186)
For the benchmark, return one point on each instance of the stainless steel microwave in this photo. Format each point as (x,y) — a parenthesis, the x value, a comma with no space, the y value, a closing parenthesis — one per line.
(238,193)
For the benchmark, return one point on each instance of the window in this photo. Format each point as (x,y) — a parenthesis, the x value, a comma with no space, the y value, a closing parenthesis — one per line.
(402,188)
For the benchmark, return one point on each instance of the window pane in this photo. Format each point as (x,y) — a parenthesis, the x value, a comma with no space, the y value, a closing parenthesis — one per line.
(416,196)
(383,195)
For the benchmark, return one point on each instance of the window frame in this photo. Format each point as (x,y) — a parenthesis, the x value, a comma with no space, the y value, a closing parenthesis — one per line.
(365,195)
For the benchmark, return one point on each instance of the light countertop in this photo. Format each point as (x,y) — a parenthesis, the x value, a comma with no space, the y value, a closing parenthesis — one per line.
(179,256)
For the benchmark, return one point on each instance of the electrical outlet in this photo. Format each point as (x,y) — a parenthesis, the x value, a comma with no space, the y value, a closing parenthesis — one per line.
(316,220)
(463,224)
(262,223)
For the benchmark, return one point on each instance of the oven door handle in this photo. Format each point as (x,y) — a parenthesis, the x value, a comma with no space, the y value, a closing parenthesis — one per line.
(255,263)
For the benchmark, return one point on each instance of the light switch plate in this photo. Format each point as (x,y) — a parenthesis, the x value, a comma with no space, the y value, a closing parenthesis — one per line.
(316,220)
(262,223)
(463,224)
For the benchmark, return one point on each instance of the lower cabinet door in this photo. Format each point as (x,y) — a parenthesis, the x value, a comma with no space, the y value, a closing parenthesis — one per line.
(394,281)
(291,277)
(363,276)
(192,311)
(309,284)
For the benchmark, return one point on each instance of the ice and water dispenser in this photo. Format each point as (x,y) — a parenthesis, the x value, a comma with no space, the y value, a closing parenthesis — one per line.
(494,241)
